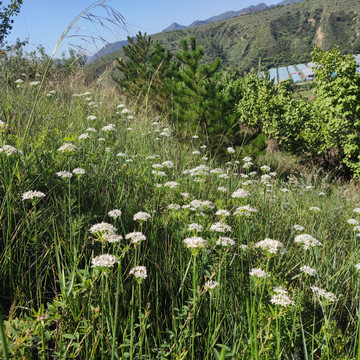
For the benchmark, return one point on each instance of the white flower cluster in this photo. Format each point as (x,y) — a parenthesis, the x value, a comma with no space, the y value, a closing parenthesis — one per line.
(139,272)
(171,184)
(195,242)
(308,270)
(169,164)
(64,174)
(103,228)
(222,213)
(142,216)
(259,273)
(211,285)
(220,227)
(307,241)
(115,213)
(31,194)
(329,296)
(110,127)
(135,237)
(230,150)
(201,170)
(240,193)
(281,297)
(270,245)
(245,210)
(78,171)
(353,222)
(9,150)
(225,241)
(68,148)
(298,227)
(105,260)
(201,205)
(195,227)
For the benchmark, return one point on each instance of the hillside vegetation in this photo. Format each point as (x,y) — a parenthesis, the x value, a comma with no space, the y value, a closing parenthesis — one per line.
(280,35)
(126,237)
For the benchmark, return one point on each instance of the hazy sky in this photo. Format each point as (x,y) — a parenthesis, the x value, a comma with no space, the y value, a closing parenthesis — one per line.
(43,21)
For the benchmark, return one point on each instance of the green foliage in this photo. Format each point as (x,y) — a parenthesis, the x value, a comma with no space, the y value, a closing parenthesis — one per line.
(6,21)
(337,103)
(143,72)
(196,90)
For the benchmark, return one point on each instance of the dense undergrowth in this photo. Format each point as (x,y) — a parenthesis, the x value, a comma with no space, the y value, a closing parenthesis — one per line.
(268,269)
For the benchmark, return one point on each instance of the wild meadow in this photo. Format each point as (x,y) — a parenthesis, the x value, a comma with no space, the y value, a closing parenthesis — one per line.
(120,240)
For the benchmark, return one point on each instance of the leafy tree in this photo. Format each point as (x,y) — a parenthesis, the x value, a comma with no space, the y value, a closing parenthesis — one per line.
(6,21)
(337,89)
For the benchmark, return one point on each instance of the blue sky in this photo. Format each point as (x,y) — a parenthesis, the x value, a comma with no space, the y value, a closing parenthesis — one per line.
(43,21)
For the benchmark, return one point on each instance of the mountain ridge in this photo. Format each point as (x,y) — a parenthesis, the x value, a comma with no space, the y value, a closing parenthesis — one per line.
(111,47)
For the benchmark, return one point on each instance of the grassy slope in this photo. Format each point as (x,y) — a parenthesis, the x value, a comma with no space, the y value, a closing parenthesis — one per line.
(281,35)
(46,251)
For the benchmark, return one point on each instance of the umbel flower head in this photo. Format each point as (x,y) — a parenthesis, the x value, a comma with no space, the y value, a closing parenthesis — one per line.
(281,297)
(31,195)
(270,245)
(104,260)
(135,237)
(68,148)
(211,285)
(139,272)
(142,216)
(195,243)
(103,229)
(307,241)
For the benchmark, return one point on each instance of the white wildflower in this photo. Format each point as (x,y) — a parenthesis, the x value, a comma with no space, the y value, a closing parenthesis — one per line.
(135,237)
(115,213)
(265,168)
(91,117)
(105,260)
(32,194)
(78,171)
(307,241)
(298,227)
(240,193)
(211,285)
(142,216)
(329,296)
(103,228)
(110,127)
(67,147)
(308,270)
(220,227)
(195,227)
(270,245)
(223,213)
(353,222)
(259,273)
(245,210)
(281,298)
(225,241)
(230,150)
(139,272)
(84,136)
(222,189)
(195,242)
(64,174)
(171,184)
(314,208)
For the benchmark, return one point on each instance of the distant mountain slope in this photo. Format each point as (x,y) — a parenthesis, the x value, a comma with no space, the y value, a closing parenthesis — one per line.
(279,35)
(226,15)
(111,47)
(174,26)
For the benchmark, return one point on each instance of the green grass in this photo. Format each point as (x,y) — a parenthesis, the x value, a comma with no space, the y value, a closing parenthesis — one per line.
(56,305)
